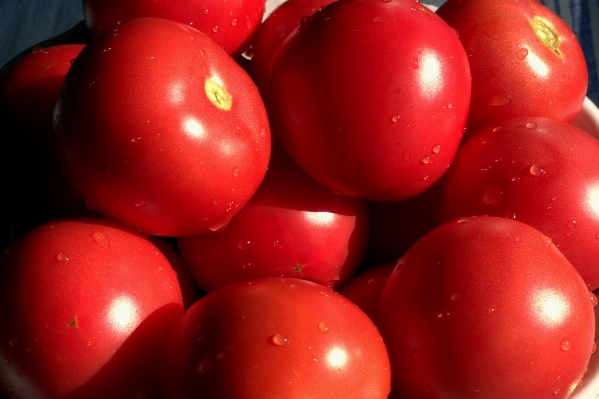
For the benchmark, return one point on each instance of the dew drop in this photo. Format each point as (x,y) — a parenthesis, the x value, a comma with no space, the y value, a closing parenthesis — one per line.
(243,244)
(135,139)
(418,356)
(414,62)
(455,297)
(556,392)
(235,172)
(61,257)
(436,148)
(234,22)
(220,226)
(141,204)
(593,298)
(565,344)
(594,347)
(531,125)
(248,22)
(490,311)
(395,118)
(499,100)
(522,53)
(215,28)
(413,9)
(493,195)
(450,105)
(426,160)
(278,340)
(463,220)
(277,244)
(323,327)
(572,224)
(535,170)
(101,238)
(206,10)
(205,366)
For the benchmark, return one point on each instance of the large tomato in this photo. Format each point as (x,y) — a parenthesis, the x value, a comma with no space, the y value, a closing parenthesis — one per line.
(159,129)
(539,171)
(281,338)
(524,60)
(86,306)
(486,307)
(231,24)
(370,97)
(291,227)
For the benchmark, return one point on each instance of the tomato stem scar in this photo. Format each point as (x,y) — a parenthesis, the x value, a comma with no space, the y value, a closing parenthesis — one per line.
(546,34)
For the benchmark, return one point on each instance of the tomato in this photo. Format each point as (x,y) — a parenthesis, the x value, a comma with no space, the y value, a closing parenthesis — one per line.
(539,171)
(160,130)
(86,306)
(275,338)
(486,307)
(273,31)
(291,227)
(524,60)
(28,91)
(367,116)
(365,289)
(230,24)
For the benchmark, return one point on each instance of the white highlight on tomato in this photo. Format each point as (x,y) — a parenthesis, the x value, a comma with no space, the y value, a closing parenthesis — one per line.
(123,315)
(193,128)
(176,92)
(337,357)
(592,199)
(538,66)
(550,307)
(431,79)
(320,218)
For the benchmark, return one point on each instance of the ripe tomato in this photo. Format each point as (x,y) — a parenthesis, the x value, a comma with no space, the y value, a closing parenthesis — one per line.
(524,60)
(34,186)
(86,306)
(160,130)
(539,171)
(364,115)
(486,307)
(275,338)
(365,289)
(273,31)
(230,24)
(291,227)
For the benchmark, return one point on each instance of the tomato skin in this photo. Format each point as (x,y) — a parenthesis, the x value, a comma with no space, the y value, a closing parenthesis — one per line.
(291,227)
(279,338)
(28,91)
(365,289)
(273,31)
(539,171)
(161,130)
(230,24)
(86,305)
(383,130)
(486,307)
(513,72)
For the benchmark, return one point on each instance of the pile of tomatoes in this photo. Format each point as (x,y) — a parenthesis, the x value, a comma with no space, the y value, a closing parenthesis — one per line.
(351,199)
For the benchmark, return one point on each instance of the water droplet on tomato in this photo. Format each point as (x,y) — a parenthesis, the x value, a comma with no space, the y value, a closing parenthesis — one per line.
(205,366)
(413,9)
(463,220)
(531,125)
(490,311)
(414,62)
(450,105)
(235,172)
(436,148)
(493,195)
(418,356)
(101,238)
(220,226)
(535,170)
(234,22)
(323,327)
(278,340)
(593,298)
(395,118)
(499,100)
(496,129)
(572,224)
(455,297)
(135,139)
(565,344)
(248,22)
(206,10)
(277,244)
(522,53)
(594,347)
(215,28)
(141,204)
(243,244)
(61,257)
(426,160)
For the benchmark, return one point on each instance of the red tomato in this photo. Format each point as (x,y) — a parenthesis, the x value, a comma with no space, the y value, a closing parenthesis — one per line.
(161,130)
(33,184)
(291,227)
(86,306)
(486,307)
(365,289)
(364,115)
(524,60)
(230,24)
(539,171)
(275,338)
(273,31)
